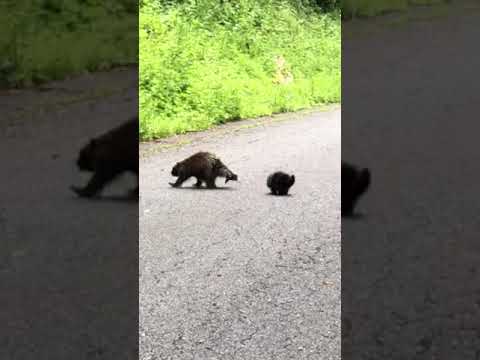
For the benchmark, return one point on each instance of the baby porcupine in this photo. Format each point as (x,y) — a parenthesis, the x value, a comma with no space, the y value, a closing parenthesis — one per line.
(205,167)
(280,182)
(355,183)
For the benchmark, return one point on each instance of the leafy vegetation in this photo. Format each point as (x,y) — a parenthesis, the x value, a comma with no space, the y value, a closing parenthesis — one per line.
(48,39)
(352,8)
(205,62)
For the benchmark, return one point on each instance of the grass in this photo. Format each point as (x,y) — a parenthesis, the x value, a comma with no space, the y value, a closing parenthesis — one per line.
(46,40)
(203,63)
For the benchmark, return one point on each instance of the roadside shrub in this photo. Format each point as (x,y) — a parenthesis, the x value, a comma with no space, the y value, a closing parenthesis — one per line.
(47,40)
(365,8)
(206,62)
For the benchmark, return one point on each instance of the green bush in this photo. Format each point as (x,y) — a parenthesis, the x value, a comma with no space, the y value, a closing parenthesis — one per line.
(352,8)
(206,62)
(49,39)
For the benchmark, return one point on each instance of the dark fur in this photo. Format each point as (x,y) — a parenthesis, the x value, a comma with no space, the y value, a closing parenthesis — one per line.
(108,156)
(279,183)
(355,183)
(205,167)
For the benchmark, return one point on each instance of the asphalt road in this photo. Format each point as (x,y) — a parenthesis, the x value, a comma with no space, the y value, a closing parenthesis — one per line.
(410,279)
(235,273)
(68,266)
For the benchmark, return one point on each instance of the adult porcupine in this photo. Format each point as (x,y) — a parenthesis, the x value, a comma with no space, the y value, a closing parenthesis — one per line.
(205,167)
(108,156)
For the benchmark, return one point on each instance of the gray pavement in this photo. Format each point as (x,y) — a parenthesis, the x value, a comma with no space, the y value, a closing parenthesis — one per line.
(410,279)
(66,264)
(236,273)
